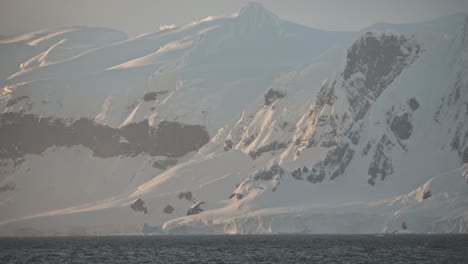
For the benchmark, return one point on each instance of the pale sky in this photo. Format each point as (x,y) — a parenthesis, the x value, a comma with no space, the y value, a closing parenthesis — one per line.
(141,16)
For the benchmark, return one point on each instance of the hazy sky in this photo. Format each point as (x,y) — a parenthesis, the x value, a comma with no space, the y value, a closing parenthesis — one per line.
(139,16)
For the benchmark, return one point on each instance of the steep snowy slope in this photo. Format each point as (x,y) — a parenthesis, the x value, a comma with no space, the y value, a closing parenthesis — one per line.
(244,124)
(226,58)
(43,47)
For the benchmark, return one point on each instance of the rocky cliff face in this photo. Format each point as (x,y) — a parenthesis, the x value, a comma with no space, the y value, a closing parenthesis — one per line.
(373,62)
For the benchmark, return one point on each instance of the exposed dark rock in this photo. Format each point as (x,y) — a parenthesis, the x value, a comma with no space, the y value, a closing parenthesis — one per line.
(317,173)
(7,188)
(325,96)
(165,164)
(195,209)
(337,160)
(373,62)
(366,149)
(325,133)
(187,195)
(268,174)
(381,164)
(168,209)
(297,174)
(413,103)
(404,226)
(238,196)
(152,96)
(249,140)
(343,163)
(402,126)
(139,206)
(354,137)
(427,194)
(228,144)
(272,95)
(27,134)
(267,148)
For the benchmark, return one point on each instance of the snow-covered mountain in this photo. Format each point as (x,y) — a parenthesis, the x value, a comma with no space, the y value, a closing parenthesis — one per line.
(239,125)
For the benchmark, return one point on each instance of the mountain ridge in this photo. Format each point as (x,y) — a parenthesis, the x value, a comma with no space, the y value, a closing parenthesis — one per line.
(239,125)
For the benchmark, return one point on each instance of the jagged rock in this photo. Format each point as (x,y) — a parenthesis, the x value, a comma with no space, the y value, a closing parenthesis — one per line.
(168,209)
(339,157)
(249,140)
(373,62)
(268,174)
(238,196)
(366,149)
(297,174)
(139,206)
(381,164)
(275,145)
(402,126)
(187,195)
(354,137)
(195,209)
(427,194)
(228,144)
(326,95)
(413,104)
(325,132)
(317,174)
(272,95)
(377,59)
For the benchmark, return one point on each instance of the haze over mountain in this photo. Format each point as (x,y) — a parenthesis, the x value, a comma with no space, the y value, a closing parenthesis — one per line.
(245,124)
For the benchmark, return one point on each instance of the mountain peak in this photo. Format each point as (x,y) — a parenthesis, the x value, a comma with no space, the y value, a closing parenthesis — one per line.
(255,15)
(253,7)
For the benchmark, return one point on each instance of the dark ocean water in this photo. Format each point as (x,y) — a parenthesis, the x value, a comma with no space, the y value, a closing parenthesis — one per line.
(238,249)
